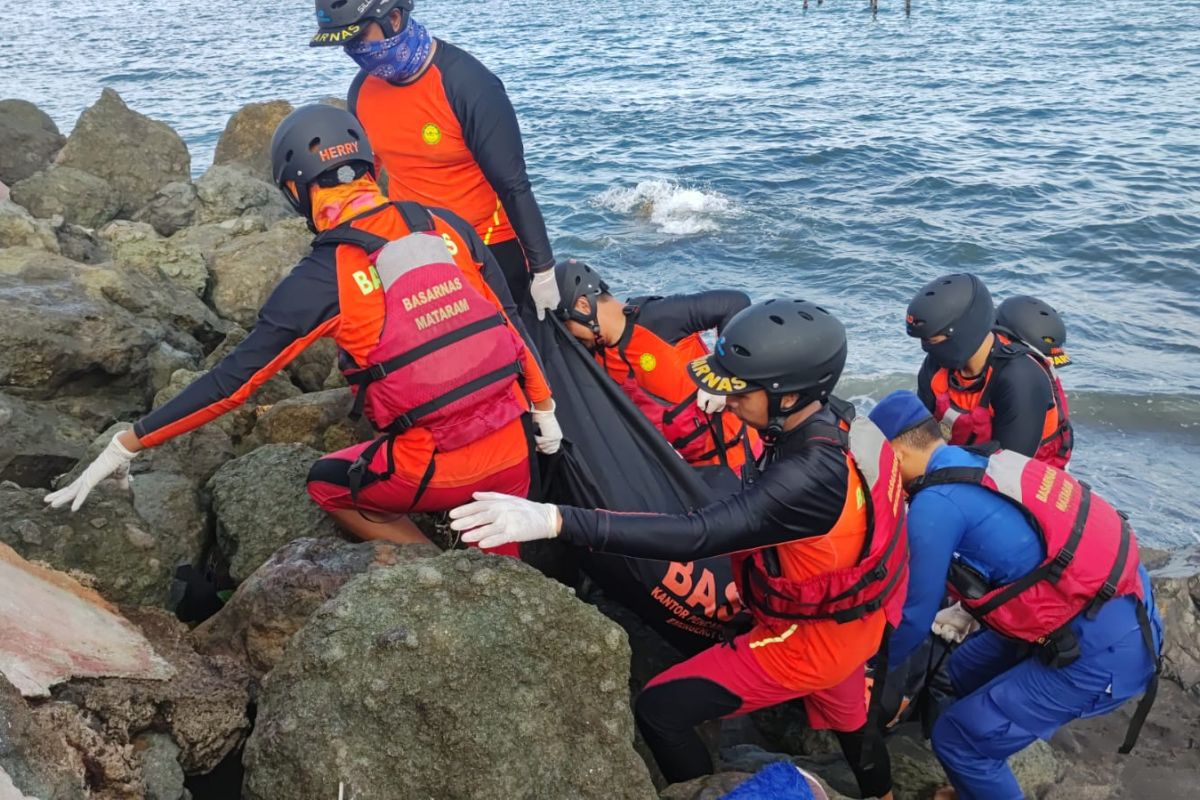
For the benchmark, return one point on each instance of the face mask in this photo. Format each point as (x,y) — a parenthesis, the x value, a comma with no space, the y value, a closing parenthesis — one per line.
(335,204)
(396,59)
(951,354)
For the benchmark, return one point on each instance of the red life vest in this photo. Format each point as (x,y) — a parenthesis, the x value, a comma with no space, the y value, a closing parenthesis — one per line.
(973,425)
(445,359)
(1091,551)
(699,437)
(880,578)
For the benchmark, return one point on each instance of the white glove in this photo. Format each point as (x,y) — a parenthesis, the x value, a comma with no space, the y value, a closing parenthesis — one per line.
(496,519)
(544,290)
(710,403)
(953,624)
(113,461)
(548,435)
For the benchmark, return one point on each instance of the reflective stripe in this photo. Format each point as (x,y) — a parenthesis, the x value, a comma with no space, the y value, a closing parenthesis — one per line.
(783,637)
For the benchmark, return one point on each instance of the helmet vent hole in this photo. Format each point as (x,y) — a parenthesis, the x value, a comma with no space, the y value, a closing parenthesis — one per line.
(772,300)
(823,311)
(1044,314)
(929,294)
(806,315)
(353,133)
(777,320)
(287,158)
(741,351)
(339,3)
(314,145)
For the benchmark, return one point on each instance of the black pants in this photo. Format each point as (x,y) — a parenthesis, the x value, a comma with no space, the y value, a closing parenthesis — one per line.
(515,269)
(667,714)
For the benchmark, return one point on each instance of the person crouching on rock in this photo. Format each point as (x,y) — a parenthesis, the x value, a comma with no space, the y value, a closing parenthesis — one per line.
(1051,570)
(422,318)
(817,534)
(645,345)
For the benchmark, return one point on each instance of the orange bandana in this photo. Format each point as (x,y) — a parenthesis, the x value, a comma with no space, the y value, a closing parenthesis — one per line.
(336,204)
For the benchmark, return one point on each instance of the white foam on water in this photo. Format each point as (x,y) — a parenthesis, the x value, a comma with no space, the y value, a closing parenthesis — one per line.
(673,208)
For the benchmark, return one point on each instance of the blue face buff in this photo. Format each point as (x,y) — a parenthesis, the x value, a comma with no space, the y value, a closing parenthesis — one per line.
(396,59)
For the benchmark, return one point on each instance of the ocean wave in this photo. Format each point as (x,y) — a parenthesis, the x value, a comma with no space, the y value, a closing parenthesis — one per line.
(674,208)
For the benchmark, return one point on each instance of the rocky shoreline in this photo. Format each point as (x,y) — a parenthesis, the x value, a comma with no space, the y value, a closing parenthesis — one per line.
(382,671)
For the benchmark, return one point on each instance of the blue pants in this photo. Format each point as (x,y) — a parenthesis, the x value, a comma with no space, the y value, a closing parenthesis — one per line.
(1007,702)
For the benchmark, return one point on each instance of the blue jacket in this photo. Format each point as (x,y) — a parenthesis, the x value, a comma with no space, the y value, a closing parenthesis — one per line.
(984,531)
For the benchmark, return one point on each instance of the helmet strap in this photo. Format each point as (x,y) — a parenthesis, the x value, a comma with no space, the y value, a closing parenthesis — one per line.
(777,415)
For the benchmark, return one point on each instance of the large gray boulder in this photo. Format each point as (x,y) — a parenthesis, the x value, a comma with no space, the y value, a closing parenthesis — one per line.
(260,504)
(318,419)
(18,228)
(33,753)
(78,329)
(247,268)
(81,244)
(466,676)
(29,140)
(77,196)
(38,442)
(137,245)
(225,192)
(1179,605)
(272,604)
(134,153)
(130,561)
(172,208)
(246,140)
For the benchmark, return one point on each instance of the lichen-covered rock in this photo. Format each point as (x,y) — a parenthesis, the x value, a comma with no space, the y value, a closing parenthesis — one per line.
(709,787)
(164,361)
(467,676)
(238,422)
(135,154)
(137,245)
(317,419)
(1179,605)
(73,328)
(312,366)
(226,192)
(73,194)
(246,140)
(161,772)
(247,268)
(38,442)
(19,229)
(261,504)
(172,208)
(130,560)
(33,753)
(29,140)
(203,708)
(272,604)
(207,238)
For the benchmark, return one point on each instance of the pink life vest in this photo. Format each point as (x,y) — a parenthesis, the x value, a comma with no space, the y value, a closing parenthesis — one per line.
(971,426)
(880,578)
(446,360)
(1091,551)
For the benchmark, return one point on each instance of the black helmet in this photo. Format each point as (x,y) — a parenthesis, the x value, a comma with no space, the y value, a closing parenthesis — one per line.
(958,307)
(342,21)
(781,346)
(575,280)
(318,143)
(1036,323)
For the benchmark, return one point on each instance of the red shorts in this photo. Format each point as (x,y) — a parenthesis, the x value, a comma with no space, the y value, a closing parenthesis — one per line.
(329,487)
(840,708)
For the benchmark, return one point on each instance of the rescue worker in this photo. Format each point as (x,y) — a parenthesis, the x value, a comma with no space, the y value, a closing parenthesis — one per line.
(1036,323)
(818,538)
(983,384)
(411,297)
(1050,569)
(645,345)
(445,132)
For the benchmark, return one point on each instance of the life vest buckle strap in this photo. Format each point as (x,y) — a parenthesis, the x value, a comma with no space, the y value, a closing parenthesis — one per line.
(1106,593)
(1058,566)
(401,424)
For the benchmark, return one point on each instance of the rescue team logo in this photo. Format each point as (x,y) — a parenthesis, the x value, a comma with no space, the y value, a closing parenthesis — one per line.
(648,362)
(711,380)
(431,134)
(336,37)
(338,150)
